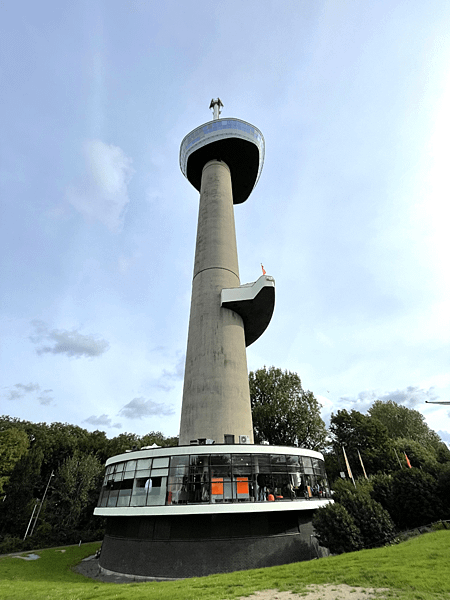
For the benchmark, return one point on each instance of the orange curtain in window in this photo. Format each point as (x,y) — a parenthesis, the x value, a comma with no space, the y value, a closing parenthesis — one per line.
(217,486)
(242,485)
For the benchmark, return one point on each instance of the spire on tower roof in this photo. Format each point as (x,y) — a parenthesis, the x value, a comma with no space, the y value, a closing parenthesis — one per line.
(216,105)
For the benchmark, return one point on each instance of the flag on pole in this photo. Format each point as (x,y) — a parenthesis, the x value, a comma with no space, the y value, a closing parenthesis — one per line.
(349,471)
(407,461)
(263,269)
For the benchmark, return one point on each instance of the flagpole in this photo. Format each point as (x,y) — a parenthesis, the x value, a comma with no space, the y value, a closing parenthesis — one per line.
(401,466)
(40,506)
(31,518)
(362,464)
(349,471)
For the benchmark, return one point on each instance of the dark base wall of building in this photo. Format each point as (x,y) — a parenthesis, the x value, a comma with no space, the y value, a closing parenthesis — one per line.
(197,545)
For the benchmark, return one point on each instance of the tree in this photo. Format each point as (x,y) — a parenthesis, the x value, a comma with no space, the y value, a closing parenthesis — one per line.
(283,413)
(122,443)
(415,499)
(158,438)
(443,490)
(358,430)
(403,422)
(30,452)
(77,477)
(363,433)
(24,485)
(13,445)
(420,456)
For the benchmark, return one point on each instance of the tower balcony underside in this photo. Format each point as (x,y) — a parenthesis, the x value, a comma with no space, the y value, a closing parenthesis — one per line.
(238,144)
(255,303)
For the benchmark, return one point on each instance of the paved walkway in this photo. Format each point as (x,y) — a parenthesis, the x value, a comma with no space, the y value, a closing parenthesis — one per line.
(89,567)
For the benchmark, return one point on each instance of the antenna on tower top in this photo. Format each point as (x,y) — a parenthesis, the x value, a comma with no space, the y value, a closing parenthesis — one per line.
(216,105)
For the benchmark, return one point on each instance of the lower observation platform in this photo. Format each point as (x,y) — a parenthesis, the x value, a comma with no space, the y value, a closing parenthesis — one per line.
(254,302)
(195,510)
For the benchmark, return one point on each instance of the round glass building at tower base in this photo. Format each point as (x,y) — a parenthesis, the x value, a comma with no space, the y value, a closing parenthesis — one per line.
(190,511)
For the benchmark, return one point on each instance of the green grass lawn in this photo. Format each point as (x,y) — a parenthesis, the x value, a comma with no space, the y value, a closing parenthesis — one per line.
(418,569)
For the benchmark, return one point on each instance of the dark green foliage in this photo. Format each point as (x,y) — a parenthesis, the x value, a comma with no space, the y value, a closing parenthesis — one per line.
(26,483)
(156,437)
(415,499)
(29,453)
(10,544)
(76,478)
(343,485)
(411,496)
(130,441)
(442,453)
(283,413)
(419,455)
(336,530)
(355,429)
(382,485)
(372,520)
(443,490)
(383,438)
(14,444)
(358,432)
(403,422)
(334,464)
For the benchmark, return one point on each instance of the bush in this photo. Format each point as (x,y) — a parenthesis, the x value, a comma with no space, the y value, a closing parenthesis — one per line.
(415,499)
(443,490)
(440,525)
(336,530)
(372,520)
(10,544)
(382,490)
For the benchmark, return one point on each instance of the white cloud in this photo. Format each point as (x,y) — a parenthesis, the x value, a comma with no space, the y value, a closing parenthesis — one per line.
(139,407)
(45,399)
(102,420)
(103,195)
(410,397)
(444,435)
(19,390)
(177,373)
(70,343)
(362,402)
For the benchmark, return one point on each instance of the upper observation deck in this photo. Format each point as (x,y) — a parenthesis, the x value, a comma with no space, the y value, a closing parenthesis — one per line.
(235,142)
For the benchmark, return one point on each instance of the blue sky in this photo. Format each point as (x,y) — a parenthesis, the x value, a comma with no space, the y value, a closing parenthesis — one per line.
(98,225)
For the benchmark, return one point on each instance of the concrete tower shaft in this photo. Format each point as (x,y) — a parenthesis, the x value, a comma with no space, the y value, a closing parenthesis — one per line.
(216,398)
(223,160)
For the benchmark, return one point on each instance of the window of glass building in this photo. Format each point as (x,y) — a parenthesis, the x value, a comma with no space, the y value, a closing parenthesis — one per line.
(215,478)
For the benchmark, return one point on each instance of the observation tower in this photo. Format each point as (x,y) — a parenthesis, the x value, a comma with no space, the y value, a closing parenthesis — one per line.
(206,505)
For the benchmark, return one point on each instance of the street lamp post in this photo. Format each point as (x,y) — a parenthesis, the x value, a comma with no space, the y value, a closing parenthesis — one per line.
(42,502)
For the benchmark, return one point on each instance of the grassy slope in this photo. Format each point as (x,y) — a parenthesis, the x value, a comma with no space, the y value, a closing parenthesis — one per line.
(418,569)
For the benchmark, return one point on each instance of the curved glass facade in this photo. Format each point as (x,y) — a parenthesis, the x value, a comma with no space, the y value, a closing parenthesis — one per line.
(221,129)
(200,478)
